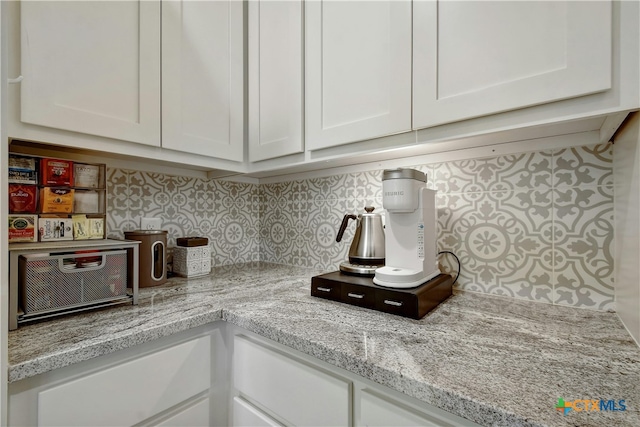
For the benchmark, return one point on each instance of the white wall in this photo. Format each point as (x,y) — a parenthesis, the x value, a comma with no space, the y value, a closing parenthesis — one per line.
(627,227)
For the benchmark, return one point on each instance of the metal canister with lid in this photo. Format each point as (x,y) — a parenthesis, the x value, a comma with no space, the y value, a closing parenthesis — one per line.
(152,254)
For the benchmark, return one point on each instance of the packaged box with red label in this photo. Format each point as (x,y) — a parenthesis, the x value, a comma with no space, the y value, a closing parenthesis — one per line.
(23,198)
(56,172)
(53,228)
(22,228)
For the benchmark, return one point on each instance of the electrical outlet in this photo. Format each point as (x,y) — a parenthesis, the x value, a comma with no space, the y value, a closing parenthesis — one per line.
(150,223)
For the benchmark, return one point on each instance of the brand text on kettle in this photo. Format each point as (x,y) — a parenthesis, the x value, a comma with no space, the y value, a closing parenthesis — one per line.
(394,193)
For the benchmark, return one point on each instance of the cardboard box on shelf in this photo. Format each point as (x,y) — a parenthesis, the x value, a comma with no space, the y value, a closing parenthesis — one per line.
(22,228)
(86,176)
(56,200)
(23,198)
(55,228)
(56,172)
(22,170)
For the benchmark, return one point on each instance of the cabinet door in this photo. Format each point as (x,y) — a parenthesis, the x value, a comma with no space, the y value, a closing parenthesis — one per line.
(477,58)
(203,78)
(292,390)
(275,79)
(377,410)
(357,70)
(92,67)
(131,392)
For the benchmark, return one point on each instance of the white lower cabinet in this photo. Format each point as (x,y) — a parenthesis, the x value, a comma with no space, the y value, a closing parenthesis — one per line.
(163,383)
(291,390)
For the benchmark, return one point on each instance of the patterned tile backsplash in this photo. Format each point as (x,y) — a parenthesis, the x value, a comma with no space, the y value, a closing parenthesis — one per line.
(536,226)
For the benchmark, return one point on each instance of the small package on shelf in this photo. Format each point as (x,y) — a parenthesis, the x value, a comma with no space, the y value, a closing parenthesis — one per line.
(56,172)
(96,228)
(22,228)
(55,228)
(86,176)
(86,202)
(87,228)
(80,227)
(56,200)
(23,198)
(22,170)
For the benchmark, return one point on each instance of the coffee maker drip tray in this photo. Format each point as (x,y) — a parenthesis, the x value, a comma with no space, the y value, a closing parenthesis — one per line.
(361,291)
(358,269)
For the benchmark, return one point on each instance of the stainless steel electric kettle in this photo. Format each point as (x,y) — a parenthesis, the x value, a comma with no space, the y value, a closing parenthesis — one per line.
(366,252)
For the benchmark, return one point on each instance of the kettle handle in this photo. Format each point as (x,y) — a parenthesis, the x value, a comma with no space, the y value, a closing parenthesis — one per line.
(343,226)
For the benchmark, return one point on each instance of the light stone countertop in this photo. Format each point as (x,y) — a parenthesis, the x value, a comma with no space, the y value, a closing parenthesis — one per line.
(495,361)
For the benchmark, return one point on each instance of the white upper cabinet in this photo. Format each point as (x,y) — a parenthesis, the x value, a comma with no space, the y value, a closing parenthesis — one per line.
(357,70)
(203,78)
(276,114)
(92,67)
(477,58)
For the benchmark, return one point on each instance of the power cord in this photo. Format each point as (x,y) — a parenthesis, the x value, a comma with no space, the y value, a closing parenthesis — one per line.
(457,260)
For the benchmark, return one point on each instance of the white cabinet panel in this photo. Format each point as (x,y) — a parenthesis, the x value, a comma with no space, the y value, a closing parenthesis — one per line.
(357,70)
(377,410)
(246,415)
(477,58)
(203,78)
(275,79)
(92,67)
(131,392)
(196,415)
(296,392)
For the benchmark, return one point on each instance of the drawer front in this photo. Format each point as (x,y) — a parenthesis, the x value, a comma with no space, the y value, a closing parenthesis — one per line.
(294,391)
(359,295)
(396,303)
(325,289)
(246,415)
(131,392)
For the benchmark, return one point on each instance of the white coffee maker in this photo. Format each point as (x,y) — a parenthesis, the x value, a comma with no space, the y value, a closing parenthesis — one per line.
(410,230)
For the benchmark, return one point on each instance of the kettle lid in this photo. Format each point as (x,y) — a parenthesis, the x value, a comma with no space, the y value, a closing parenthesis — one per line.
(368,211)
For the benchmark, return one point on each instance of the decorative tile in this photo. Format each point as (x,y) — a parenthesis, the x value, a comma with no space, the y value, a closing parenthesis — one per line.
(118,199)
(500,240)
(235,238)
(319,231)
(583,241)
(504,173)
(278,236)
(368,185)
(535,226)
(336,187)
(583,166)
